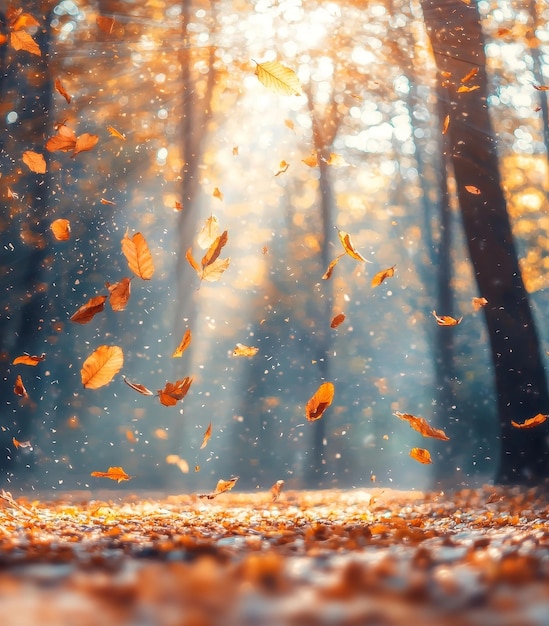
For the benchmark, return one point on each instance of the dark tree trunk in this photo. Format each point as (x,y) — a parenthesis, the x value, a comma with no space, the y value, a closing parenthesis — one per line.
(458,44)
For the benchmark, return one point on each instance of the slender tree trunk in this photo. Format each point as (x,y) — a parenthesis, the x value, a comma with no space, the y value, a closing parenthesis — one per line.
(458,45)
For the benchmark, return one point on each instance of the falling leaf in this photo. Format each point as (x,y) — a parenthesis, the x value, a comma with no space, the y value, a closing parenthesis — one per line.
(469,75)
(27,359)
(173,392)
(289,124)
(242,350)
(466,89)
(114,473)
(421,425)
(61,229)
(473,190)
(213,272)
(206,437)
(184,344)
(178,206)
(209,232)
(87,311)
(381,276)
(19,387)
(446,320)
(34,161)
(283,167)
(276,489)
(116,133)
(531,422)
(221,487)
(193,263)
(311,160)
(85,142)
(138,255)
(235,150)
(119,293)
(107,202)
(175,459)
(478,303)
(319,402)
(337,320)
(421,455)
(336,160)
(101,366)
(137,387)
(541,87)
(62,90)
(217,194)
(21,40)
(214,250)
(278,78)
(64,141)
(445,124)
(347,244)
(105,24)
(327,274)
(265,250)
(21,444)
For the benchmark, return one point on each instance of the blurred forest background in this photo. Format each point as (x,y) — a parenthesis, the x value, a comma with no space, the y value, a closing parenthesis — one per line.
(371,145)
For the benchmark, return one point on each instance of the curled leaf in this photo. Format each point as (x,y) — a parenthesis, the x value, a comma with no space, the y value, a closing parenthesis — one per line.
(221,487)
(138,256)
(348,246)
(319,402)
(114,473)
(59,87)
(531,422)
(421,425)
(328,273)
(173,392)
(87,311)
(101,366)
(276,489)
(19,388)
(116,133)
(119,293)
(137,387)
(422,455)
(446,320)
(35,161)
(185,342)
(478,303)
(381,276)
(206,437)
(337,320)
(61,229)
(27,359)
(242,350)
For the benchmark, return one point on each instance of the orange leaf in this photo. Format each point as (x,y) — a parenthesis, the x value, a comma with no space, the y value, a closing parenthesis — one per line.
(137,387)
(541,87)
(105,24)
(421,455)
(421,425)
(116,133)
(87,311)
(119,293)
(61,229)
(465,89)
(276,489)
(472,189)
(469,75)
(114,473)
(138,255)
(65,140)
(242,350)
(206,437)
(446,320)
(27,359)
(478,303)
(283,167)
(193,263)
(329,271)
(62,90)
(217,194)
(215,249)
(319,402)
(173,392)
(311,160)
(221,487)
(381,276)
(101,366)
(84,142)
(445,124)
(21,444)
(21,40)
(184,344)
(19,387)
(531,422)
(209,232)
(347,244)
(34,161)
(337,320)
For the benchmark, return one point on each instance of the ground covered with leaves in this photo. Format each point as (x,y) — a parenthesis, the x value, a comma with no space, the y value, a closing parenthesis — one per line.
(380,557)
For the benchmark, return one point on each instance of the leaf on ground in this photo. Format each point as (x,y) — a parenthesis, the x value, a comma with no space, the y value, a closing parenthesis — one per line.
(319,402)
(421,425)
(102,366)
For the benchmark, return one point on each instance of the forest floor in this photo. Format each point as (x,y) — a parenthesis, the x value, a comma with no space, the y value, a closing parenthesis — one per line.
(371,558)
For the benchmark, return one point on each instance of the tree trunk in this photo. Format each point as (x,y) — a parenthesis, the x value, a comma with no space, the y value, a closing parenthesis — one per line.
(458,45)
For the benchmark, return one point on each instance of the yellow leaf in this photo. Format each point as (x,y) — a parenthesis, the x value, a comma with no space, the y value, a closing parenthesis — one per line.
(381,276)
(445,124)
(212,273)
(466,89)
(278,78)
(283,167)
(101,366)
(311,160)
(209,232)
(217,194)
(348,246)
(421,455)
(114,473)
(116,133)
(242,350)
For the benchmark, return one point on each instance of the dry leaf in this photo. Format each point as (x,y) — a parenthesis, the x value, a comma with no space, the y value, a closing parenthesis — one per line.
(105,24)
(348,246)
(276,489)
(465,89)
(217,194)
(178,206)
(138,255)
(173,392)
(214,250)
(421,425)
(34,161)
(445,124)
(101,366)
(137,387)
(473,190)
(84,142)
(21,444)
(421,455)
(336,160)
(283,167)
(61,229)
(184,344)
(193,263)
(87,311)
(116,133)
(327,274)
(221,487)
(119,293)
(381,276)
(213,272)
(62,90)
(114,473)
(469,75)
(311,160)
(337,320)
(206,437)
(478,303)
(64,141)
(242,350)
(446,320)
(209,232)
(278,78)
(27,359)
(19,387)
(175,459)
(21,40)
(319,402)
(531,422)
(108,202)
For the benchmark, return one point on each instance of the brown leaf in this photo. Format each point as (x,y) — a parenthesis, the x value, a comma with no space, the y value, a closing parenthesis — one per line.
(62,90)
(19,388)
(531,422)
(27,359)
(541,87)
(184,344)
(84,142)
(35,161)
(421,425)
(319,402)
(105,24)
(173,392)
(421,455)
(446,320)
(87,311)
(381,276)
(206,437)
(328,273)
(478,303)
(242,350)
(101,366)
(138,255)
(21,40)
(276,489)
(221,487)
(209,232)
(116,133)
(119,293)
(215,249)
(137,387)
(114,473)
(348,246)
(337,320)
(61,229)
